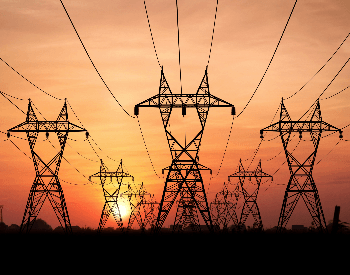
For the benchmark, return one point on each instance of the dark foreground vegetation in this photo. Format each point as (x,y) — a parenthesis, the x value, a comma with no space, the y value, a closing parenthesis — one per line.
(43,231)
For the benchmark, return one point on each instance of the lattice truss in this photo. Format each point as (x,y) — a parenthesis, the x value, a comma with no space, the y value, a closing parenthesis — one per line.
(223,208)
(184,178)
(301,183)
(250,206)
(46,184)
(111,194)
(143,206)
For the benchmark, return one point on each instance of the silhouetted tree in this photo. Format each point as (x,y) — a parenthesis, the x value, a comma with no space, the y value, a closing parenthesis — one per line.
(41,226)
(3,227)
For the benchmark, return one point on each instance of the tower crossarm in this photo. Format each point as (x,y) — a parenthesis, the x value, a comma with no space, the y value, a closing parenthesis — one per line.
(249,174)
(183,100)
(301,126)
(108,174)
(187,165)
(46,126)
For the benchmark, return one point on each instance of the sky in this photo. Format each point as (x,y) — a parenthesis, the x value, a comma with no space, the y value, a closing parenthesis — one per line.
(38,40)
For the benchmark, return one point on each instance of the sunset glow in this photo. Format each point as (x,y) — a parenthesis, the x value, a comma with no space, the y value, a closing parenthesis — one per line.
(38,41)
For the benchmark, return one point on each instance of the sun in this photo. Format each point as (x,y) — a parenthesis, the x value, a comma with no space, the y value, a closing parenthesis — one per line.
(123,209)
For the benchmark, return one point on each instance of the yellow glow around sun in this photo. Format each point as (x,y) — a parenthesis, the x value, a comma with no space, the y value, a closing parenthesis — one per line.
(123,209)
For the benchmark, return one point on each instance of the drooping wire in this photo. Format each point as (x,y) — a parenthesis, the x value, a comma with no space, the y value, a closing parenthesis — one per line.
(19,149)
(178,39)
(255,153)
(3,94)
(89,137)
(93,62)
(319,69)
(90,182)
(212,36)
(328,152)
(28,80)
(223,157)
(279,168)
(270,60)
(334,78)
(11,96)
(93,148)
(335,94)
(144,142)
(38,111)
(13,135)
(149,25)
(81,154)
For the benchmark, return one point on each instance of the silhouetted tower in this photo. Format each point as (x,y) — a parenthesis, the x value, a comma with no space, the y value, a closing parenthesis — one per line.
(150,208)
(186,215)
(223,208)
(301,183)
(46,184)
(111,198)
(184,175)
(142,210)
(250,206)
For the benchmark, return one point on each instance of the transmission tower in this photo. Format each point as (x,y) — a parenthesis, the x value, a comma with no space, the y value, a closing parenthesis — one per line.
(301,183)
(184,176)
(223,208)
(186,215)
(250,206)
(142,209)
(111,198)
(46,184)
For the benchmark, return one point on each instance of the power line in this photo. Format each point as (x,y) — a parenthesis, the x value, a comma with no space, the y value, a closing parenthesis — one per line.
(228,140)
(333,78)
(270,60)
(149,25)
(335,94)
(3,94)
(178,39)
(212,36)
(28,80)
(144,142)
(319,69)
(258,84)
(93,62)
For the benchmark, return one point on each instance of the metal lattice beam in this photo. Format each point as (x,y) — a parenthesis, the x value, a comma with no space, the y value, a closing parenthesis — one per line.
(142,209)
(46,184)
(184,177)
(301,183)
(223,208)
(111,198)
(250,206)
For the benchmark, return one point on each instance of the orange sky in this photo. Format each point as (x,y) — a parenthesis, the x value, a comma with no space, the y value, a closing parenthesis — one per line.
(38,40)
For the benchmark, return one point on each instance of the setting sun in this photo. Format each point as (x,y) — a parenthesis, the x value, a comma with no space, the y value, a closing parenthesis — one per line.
(123,210)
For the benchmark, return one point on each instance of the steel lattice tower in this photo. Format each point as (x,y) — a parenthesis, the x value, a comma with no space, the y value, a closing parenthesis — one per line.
(223,208)
(250,206)
(46,184)
(111,198)
(301,183)
(184,175)
(186,215)
(142,210)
